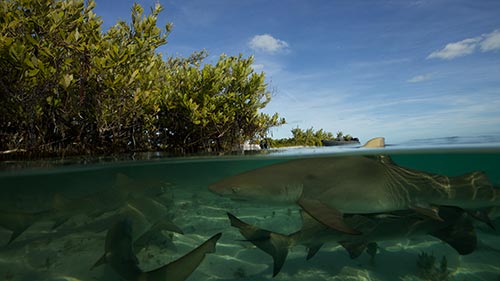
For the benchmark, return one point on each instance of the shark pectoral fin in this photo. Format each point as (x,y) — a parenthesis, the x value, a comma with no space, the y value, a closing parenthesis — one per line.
(274,244)
(99,262)
(328,216)
(182,268)
(355,249)
(461,236)
(312,250)
(428,211)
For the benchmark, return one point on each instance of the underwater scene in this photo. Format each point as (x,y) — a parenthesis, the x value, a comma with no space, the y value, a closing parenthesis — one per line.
(340,214)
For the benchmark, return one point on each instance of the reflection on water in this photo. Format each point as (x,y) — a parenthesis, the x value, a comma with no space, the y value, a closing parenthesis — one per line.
(56,223)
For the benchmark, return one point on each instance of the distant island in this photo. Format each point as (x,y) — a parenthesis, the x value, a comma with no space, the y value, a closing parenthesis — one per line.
(339,142)
(310,137)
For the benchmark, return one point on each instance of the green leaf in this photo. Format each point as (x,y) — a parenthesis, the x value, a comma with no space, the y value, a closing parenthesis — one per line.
(66,80)
(132,77)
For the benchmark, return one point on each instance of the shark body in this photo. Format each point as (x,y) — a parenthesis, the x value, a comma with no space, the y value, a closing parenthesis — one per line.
(125,195)
(327,187)
(119,255)
(456,230)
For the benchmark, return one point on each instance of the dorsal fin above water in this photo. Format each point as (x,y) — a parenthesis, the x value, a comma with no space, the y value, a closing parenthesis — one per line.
(378,142)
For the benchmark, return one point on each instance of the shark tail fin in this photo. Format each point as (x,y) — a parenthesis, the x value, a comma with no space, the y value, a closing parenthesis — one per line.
(181,268)
(274,244)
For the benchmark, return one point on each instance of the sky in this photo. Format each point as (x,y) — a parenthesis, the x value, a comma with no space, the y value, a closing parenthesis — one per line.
(401,69)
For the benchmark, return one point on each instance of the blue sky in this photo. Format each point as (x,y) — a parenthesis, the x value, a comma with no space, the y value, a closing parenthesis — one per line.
(395,68)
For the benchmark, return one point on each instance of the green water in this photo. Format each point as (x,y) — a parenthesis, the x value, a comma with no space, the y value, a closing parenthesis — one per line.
(86,201)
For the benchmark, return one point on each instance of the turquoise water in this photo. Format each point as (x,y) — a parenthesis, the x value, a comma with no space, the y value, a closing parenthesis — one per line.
(68,208)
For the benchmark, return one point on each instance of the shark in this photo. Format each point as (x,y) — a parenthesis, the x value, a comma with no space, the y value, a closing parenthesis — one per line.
(124,193)
(119,255)
(18,221)
(147,215)
(456,230)
(327,187)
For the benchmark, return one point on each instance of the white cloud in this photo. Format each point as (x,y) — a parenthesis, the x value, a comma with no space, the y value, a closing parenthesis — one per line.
(491,41)
(486,42)
(456,49)
(267,43)
(419,78)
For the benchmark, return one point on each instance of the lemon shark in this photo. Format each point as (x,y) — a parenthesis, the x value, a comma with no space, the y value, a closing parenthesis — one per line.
(456,230)
(120,256)
(148,216)
(124,193)
(18,221)
(328,187)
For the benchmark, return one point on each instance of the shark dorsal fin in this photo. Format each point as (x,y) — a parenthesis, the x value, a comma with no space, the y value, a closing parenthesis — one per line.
(375,143)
